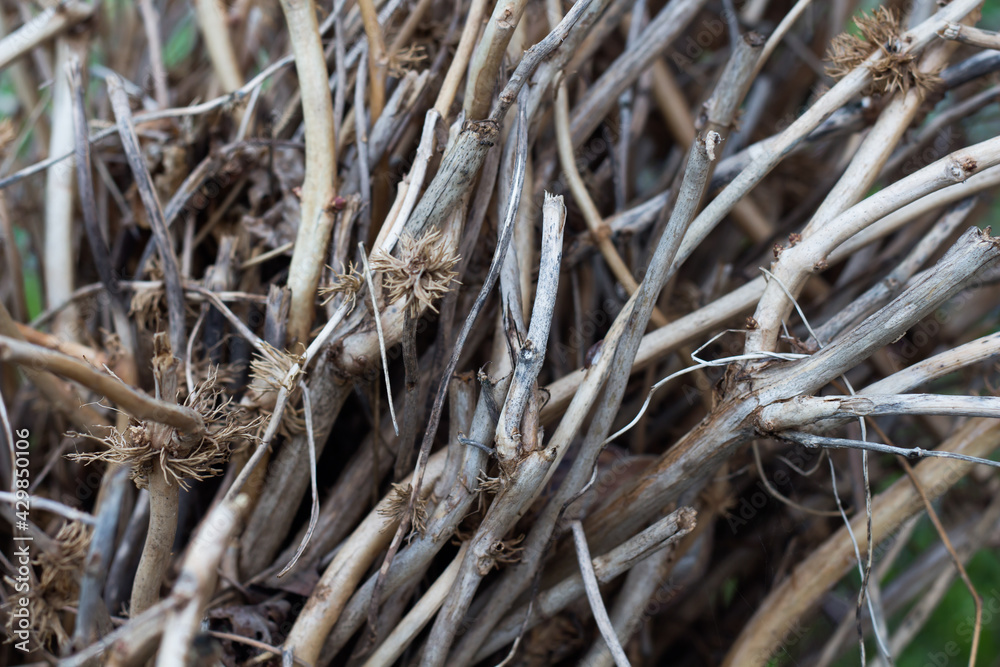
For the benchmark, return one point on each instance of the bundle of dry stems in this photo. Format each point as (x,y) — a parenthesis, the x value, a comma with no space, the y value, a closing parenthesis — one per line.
(424,332)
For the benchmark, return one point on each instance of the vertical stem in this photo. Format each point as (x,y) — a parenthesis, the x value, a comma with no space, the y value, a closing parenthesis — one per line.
(212,21)
(163,502)
(59,187)
(144,183)
(320,184)
(151,23)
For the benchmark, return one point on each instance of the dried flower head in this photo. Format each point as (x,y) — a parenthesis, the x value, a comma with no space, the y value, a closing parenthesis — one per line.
(423,271)
(349,283)
(895,70)
(227,428)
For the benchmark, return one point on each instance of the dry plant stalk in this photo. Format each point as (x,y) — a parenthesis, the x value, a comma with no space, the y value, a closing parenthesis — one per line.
(320,185)
(812,257)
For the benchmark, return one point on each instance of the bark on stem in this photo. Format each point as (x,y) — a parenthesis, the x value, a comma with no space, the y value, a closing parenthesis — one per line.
(797,263)
(802,410)
(717,436)
(486,61)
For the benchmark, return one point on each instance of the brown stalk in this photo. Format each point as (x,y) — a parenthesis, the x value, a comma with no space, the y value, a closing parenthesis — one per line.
(320,186)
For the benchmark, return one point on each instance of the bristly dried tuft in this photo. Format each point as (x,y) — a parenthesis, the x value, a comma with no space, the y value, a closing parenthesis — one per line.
(266,377)
(406,59)
(349,283)
(227,429)
(399,501)
(895,70)
(146,307)
(58,586)
(423,271)
(507,552)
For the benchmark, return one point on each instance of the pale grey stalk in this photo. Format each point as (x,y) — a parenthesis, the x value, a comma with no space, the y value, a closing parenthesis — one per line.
(196,583)
(885,289)
(147,192)
(414,181)
(603,94)
(320,185)
(984,39)
(796,263)
(485,64)
(767,155)
(418,554)
(418,616)
(590,586)
(363,179)
(459,167)
(630,608)
(939,124)
(59,192)
(91,611)
(802,410)
(698,452)
(215,34)
(951,274)
(88,206)
(532,352)
(618,352)
(156,552)
(615,562)
(810,440)
(860,175)
(939,365)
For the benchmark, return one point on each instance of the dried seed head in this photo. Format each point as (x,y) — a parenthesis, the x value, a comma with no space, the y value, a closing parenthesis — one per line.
(423,271)
(266,377)
(896,70)
(227,428)
(349,283)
